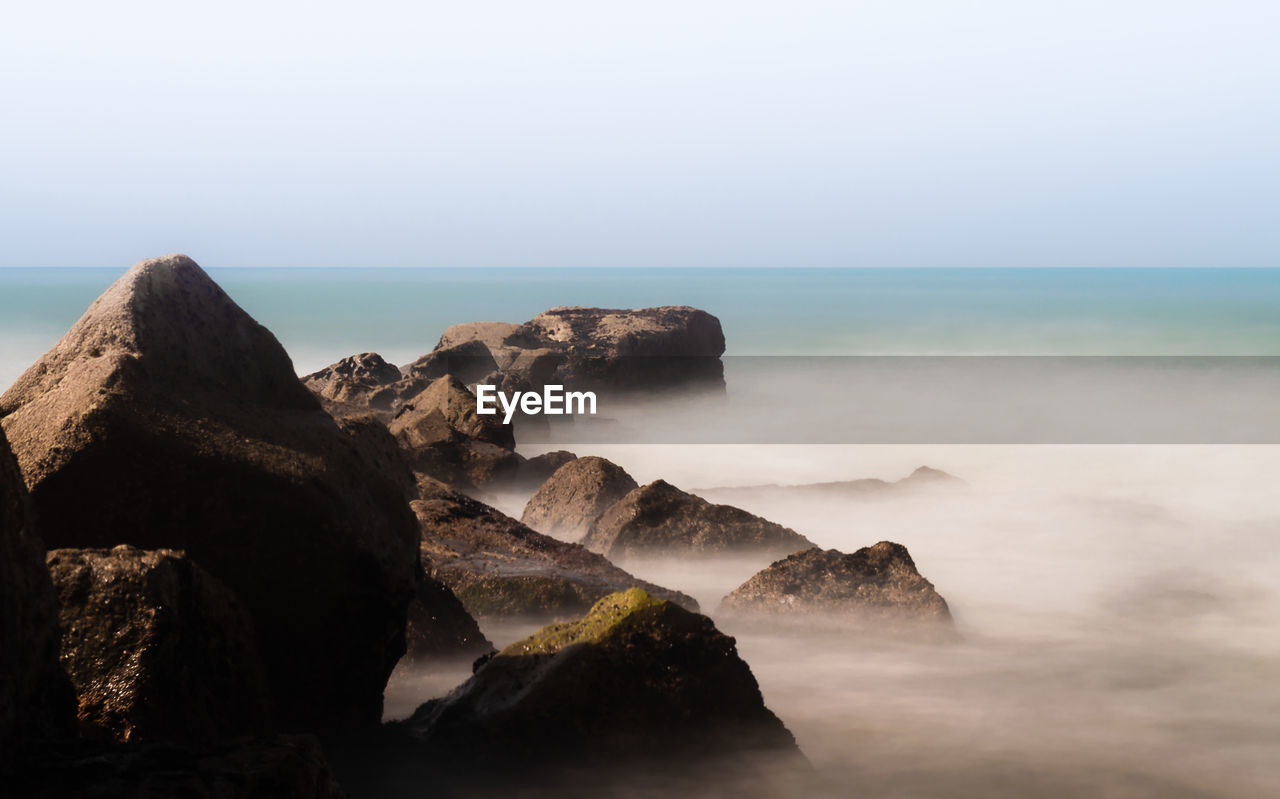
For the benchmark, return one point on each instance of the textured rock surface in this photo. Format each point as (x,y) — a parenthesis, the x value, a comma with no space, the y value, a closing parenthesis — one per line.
(660,519)
(468,361)
(277,767)
(440,627)
(877,582)
(168,418)
(36,700)
(537,469)
(575,496)
(156,648)
(636,678)
(362,381)
(500,568)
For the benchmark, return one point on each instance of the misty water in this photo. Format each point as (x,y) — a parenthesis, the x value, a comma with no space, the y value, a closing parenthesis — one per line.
(1116,607)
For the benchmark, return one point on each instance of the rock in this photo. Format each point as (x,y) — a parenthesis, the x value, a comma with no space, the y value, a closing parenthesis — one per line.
(468,361)
(637,678)
(156,648)
(660,519)
(359,381)
(440,627)
(878,583)
(168,418)
(923,478)
(573,498)
(445,438)
(36,699)
(500,568)
(647,348)
(491,334)
(537,469)
(279,767)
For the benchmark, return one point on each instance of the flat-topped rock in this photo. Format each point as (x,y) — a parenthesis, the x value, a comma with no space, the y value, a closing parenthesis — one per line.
(575,496)
(156,648)
(635,679)
(168,418)
(659,519)
(878,583)
(500,568)
(36,700)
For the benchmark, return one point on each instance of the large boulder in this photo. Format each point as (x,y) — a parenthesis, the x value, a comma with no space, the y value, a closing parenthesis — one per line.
(635,679)
(168,418)
(573,498)
(621,350)
(468,361)
(491,334)
(36,700)
(500,568)
(358,382)
(660,519)
(878,584)
(156,648)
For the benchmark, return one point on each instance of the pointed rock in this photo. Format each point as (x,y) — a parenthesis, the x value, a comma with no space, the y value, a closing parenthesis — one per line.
(168,418)
(660,519)
(355,383)
(573,498)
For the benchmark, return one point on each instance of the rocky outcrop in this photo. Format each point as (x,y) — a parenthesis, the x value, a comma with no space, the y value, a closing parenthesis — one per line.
(878,583)
(572,499)
(363,381)
(278,767)
(156,648)
(537,469)
(500,568)
(660,519)
(446,438)
(440,627)
(637,678)
(468,361)
(168,418)
(36,700)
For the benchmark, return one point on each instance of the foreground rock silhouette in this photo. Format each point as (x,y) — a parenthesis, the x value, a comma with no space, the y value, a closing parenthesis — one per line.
(168,418)
(660,519)
(36,699)
(156,648)
(878,584)
(635,679)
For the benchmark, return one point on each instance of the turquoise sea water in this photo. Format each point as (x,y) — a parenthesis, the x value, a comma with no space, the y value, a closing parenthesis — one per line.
(323,314)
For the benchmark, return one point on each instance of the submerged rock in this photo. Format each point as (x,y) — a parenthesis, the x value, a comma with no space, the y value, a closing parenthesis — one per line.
(36,700)
(500,568)
(637,678)
(575,496)
(660,519)
(156,648)
(168,418)
(877,583)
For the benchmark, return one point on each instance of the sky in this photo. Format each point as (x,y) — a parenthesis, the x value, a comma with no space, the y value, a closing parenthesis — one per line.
(798,133)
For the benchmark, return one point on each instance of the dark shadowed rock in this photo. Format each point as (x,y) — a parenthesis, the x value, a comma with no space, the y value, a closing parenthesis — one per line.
(573,498)
(637,678)
(878,583)
(358,381)
(646,348)
(660,519)
(500,568)
(275,767)
(156,648)
(440,627)
(36,700)
(168,418)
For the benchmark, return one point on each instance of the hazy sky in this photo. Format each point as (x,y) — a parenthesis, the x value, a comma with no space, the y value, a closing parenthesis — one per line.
(901,132)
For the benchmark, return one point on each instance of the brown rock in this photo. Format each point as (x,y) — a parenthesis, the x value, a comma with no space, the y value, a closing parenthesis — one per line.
(468,361)
(660,519)
(36,700)
(878,583)
(360,381)
(168,418)
(491,334)
(573,498)
(156,648)
(537,469)
(500,568)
